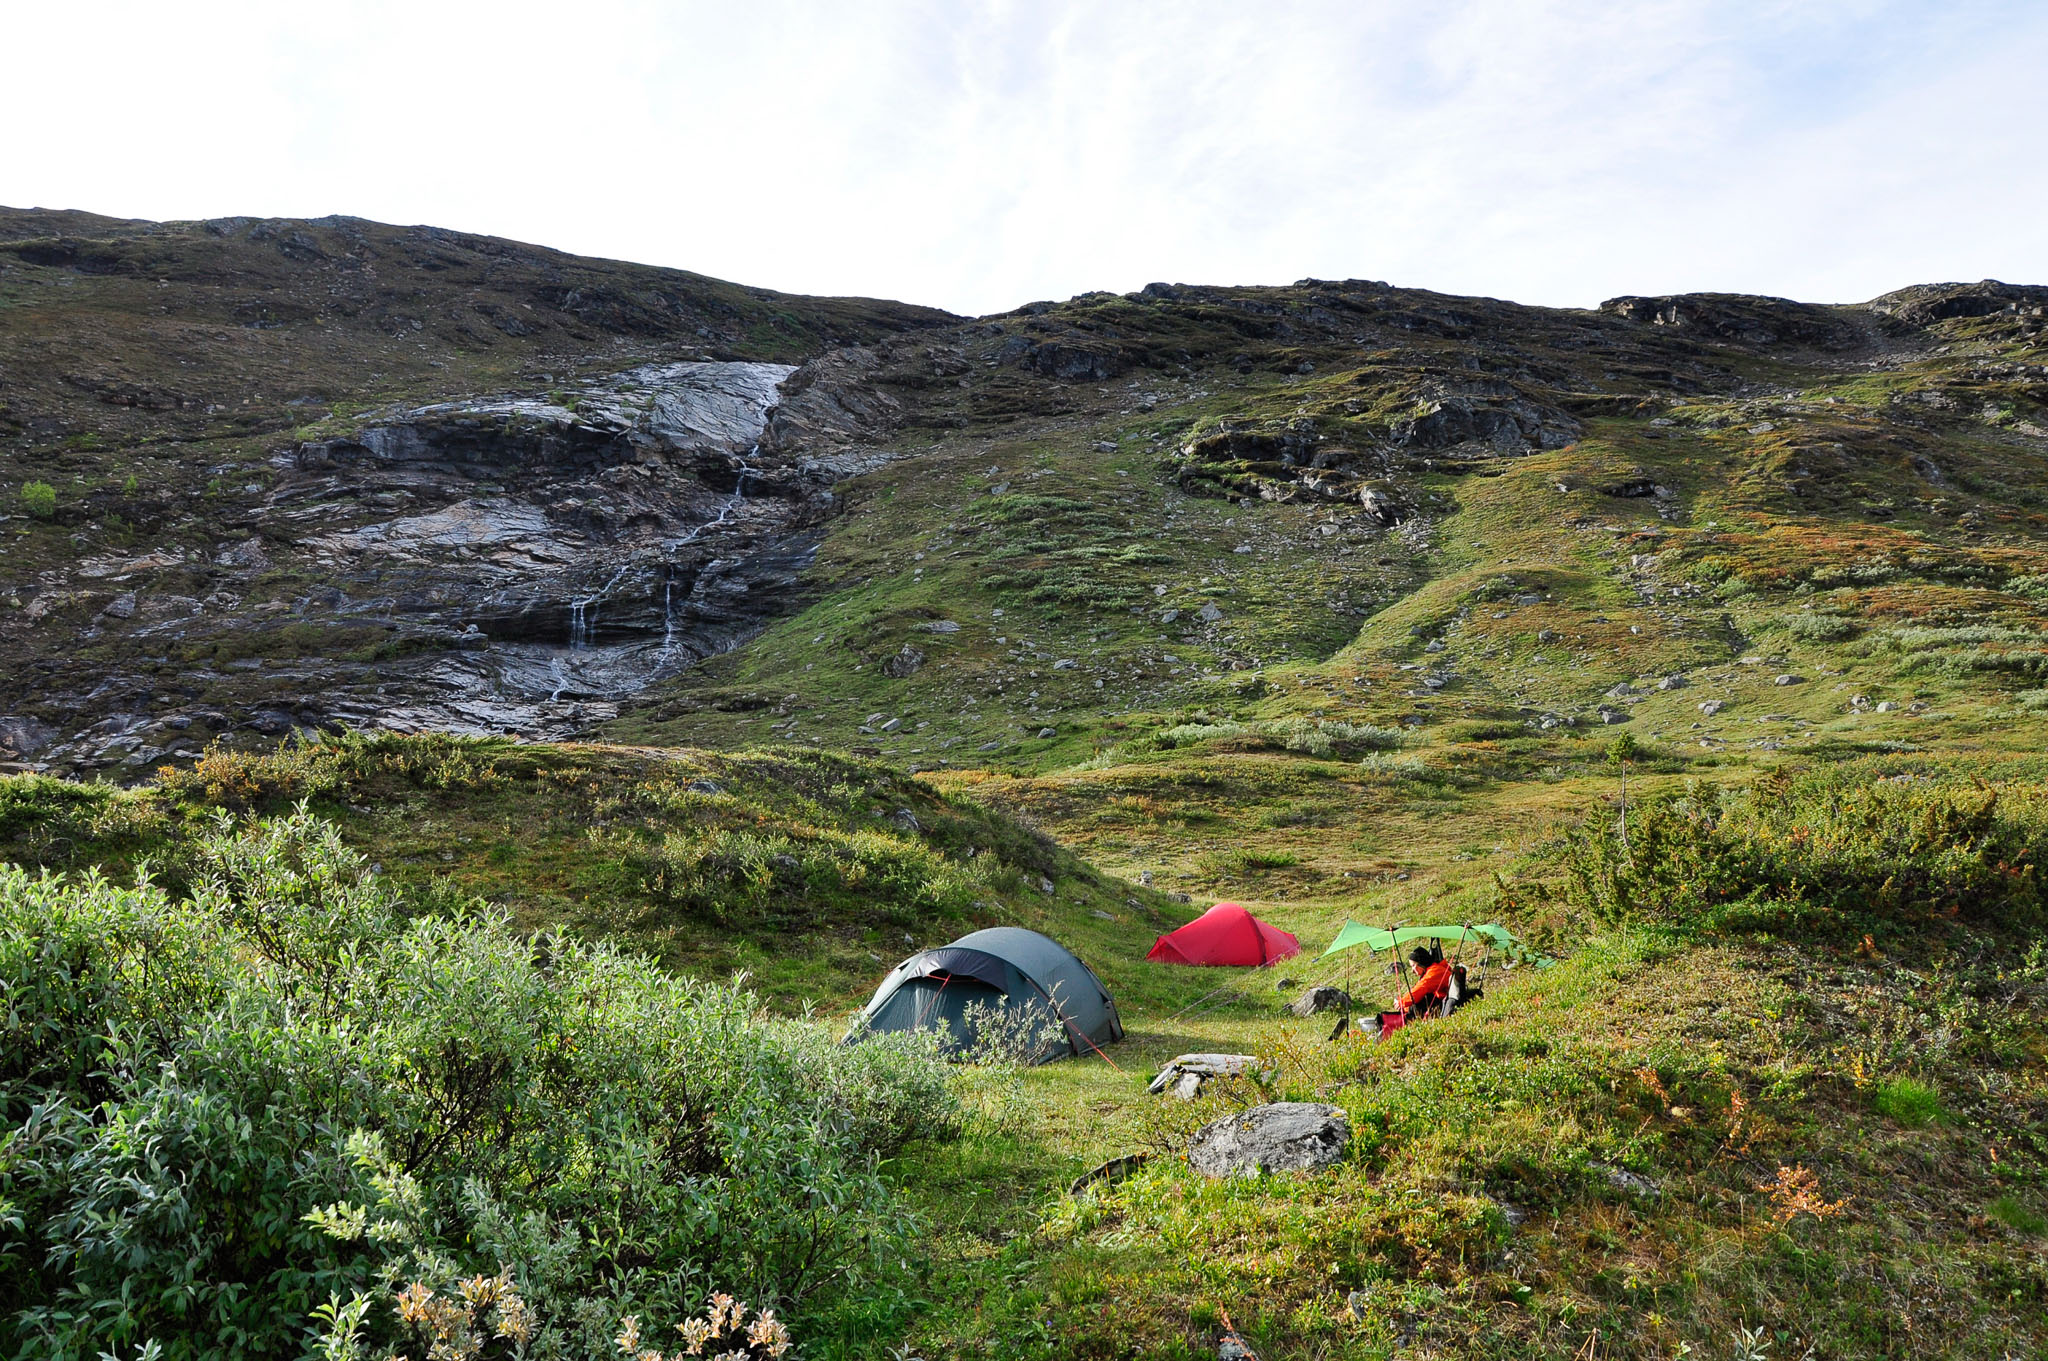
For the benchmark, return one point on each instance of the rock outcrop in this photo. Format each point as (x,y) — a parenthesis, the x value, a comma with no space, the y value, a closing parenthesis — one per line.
(528,559)
(1284,1136)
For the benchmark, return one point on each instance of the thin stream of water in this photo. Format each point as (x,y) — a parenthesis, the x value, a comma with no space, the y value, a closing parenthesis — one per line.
(583,611)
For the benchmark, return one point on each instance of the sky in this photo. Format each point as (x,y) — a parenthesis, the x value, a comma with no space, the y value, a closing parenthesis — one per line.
(976,156)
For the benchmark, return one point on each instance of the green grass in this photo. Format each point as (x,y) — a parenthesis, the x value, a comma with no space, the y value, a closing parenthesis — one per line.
(1714,1065)
(1907,1102)
(2009,1211)
(1753,995)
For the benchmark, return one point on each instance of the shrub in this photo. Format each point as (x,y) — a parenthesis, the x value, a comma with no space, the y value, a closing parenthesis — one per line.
(1394,767)
(1311,737)
(282,1095)
(39,499)
(1187,734)
(1910,1103)
(737,875)
(1847,844)
(1818,628)
(1237,860)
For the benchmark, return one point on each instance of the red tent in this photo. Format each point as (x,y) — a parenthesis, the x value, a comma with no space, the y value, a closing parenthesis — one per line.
(1225,934)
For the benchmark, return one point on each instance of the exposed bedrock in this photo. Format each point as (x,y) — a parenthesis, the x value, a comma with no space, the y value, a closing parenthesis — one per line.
(512,562)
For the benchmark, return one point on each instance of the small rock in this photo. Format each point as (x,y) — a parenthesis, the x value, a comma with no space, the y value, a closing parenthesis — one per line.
(1064,664)
(1210,613)
(1048,732)
(906,820)
(1613,715)
(1169,616)
(1100,915)
(1673,683)
(120,607)
(989,746)
(1284,984)
(1546,635)
(904,663)
(1045,886)
(893,725)
(940,626)
(1282,1136)
(704,787)
(1242,548)
(1635,1183)
(1320,998)
(1787,680)
(1885,706)
(1710,707)
(1145,878)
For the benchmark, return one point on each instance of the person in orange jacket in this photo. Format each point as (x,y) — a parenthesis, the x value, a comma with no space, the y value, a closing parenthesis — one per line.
(1434,985)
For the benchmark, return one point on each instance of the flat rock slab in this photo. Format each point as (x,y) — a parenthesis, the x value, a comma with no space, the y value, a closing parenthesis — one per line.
(1284,1136)
(1184,1075)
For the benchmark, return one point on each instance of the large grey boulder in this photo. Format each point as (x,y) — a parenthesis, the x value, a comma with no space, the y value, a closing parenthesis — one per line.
(1284,1136)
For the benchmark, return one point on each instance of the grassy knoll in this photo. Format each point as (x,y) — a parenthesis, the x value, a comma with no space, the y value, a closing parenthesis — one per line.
(1828,1116)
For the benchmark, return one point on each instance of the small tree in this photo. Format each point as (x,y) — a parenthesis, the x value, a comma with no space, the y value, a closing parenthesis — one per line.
(1620,752)
(39,499)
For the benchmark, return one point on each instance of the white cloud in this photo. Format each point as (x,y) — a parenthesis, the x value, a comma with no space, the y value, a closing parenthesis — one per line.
(978,155)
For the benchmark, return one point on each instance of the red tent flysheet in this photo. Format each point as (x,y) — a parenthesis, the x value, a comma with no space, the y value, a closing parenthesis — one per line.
(1225,934)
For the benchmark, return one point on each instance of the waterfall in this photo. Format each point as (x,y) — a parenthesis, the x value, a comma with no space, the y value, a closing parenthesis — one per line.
(583,611)
(729,505)
(668,612)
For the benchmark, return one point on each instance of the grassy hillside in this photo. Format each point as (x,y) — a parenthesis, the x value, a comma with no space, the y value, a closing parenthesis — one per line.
(1332,599)
(1782,1006)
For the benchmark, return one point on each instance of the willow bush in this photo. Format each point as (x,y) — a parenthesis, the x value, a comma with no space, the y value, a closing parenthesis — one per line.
(1854,846)
(283,1094)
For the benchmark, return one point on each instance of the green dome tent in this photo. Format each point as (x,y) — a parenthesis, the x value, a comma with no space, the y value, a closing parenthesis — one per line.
(1020,972)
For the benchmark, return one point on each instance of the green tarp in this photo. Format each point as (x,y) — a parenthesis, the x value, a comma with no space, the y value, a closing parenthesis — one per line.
(1378,938)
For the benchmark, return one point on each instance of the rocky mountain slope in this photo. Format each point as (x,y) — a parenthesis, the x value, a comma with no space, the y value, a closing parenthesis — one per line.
(333,472)
(338,474)
(1330,598)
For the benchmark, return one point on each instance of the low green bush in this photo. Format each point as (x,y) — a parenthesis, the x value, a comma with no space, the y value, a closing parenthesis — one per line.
(737,875)
(1818,628)
(1856,844)
(1238,860)
(1311,737)
(39,499)
(283,1095)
